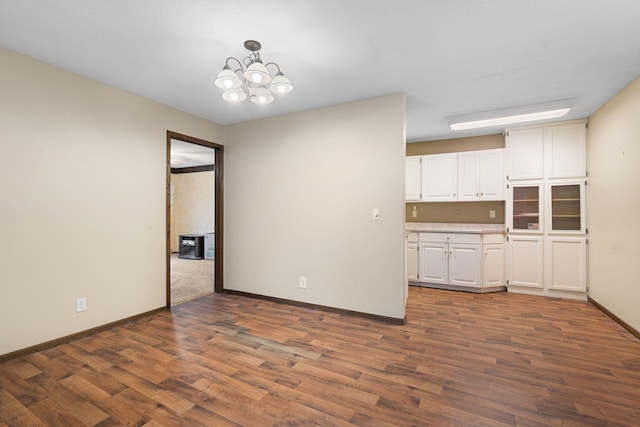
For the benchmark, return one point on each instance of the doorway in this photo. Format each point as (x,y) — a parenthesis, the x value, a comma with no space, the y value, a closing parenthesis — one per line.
(194,212)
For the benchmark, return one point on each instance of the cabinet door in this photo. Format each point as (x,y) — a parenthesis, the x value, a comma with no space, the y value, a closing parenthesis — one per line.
(439,177)
(465,267)
(468,170)
(493,265)
(412,261)
(412,178)
(566,207)
(566,151)
(433,262)
(566,259)
(525,153)
(524,209)
(525,261)
(491,174)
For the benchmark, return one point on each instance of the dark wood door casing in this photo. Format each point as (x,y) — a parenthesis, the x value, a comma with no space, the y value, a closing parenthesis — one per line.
(219,209)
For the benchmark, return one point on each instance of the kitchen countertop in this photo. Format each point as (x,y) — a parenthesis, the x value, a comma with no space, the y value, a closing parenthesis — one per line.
(438,227)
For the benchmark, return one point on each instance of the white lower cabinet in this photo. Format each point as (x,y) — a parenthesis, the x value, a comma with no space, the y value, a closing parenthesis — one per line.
(566,263)
(460,261)
(433,261)
(493,264)
(412,256)
(526,266)
(465,267)
(548,265)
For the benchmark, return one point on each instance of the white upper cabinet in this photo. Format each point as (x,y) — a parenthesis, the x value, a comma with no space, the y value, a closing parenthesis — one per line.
(468,171)
(566,151)
(471,175)
(551,151)
(525,154)
(412,178)
(491,176)
(481,175)
(440,177)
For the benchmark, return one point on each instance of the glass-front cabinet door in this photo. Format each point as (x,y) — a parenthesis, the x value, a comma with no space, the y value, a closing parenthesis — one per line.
(567,207)
(526,208)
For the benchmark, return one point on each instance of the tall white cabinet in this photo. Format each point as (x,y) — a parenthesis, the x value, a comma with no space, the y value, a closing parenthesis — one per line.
(546,209)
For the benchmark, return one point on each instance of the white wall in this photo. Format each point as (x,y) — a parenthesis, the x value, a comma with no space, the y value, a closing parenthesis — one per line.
(614,205)
(193,207)
(82,193)
(299,190)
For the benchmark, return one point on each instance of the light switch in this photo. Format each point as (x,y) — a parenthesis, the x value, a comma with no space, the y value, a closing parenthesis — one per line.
(375,213)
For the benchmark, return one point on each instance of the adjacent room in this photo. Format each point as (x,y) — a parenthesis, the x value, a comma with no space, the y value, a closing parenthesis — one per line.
(356,212)
(192,221)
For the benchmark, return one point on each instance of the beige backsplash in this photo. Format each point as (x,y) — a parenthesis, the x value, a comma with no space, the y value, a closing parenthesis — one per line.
(461,212)
(484,142)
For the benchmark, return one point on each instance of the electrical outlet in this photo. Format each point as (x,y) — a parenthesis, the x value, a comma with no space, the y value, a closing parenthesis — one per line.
(81,305)
(492,213)
(303,282)
(414,213)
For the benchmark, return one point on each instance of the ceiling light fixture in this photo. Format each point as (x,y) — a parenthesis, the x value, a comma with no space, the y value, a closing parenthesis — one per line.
(251,79)
(530,113)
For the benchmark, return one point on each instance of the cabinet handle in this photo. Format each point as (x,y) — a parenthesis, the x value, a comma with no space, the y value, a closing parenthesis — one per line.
(482,194)
(476,194)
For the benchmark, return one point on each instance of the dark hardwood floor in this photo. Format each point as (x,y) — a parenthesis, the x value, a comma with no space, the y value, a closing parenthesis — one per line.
(461,359)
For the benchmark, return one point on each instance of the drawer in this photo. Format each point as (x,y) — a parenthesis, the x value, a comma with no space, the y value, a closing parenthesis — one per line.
(472,239)
(435,237)
(412,237)
(493,238)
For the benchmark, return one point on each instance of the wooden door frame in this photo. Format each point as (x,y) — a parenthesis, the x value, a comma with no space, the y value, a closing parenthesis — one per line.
(219,211)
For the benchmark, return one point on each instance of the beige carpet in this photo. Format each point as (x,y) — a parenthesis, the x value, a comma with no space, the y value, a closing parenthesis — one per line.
(190,278)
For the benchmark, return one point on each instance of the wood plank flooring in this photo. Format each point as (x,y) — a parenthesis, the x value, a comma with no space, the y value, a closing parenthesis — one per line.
(461,359)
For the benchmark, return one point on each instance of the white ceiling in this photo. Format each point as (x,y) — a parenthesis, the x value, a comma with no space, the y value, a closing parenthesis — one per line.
(451,57)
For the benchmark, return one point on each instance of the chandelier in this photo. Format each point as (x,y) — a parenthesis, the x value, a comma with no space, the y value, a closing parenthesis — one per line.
(251,78)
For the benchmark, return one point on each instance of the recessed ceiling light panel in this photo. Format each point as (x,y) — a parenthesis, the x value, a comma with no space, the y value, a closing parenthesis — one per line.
(509,116)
